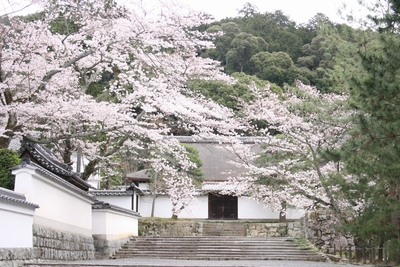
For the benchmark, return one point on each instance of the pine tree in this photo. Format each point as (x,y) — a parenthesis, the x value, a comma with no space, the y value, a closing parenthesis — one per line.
(372,155)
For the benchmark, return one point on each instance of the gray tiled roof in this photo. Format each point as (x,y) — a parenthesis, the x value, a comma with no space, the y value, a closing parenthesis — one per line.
(217,156)
(142,174)
(111,192)
(49,161)
(194,139)
(15,197)
(100,205)
(218,186)
(15,144)
(54,178)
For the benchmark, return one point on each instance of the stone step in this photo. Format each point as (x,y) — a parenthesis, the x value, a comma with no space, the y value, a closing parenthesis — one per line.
(239,258)
(203,249)
(209,242)
(215,248)
(214,242)
(245,257)
(210,252)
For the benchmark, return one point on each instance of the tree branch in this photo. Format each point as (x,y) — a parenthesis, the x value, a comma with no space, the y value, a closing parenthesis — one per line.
(51,73)
(76,135)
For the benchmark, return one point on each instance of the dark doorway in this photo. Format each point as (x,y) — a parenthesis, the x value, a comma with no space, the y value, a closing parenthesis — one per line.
(222,207)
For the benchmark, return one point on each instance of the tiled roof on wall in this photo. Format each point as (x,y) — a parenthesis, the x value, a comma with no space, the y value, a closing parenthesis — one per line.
(15,197)
(111,192)
(46,159)
(100,205)
(195,139)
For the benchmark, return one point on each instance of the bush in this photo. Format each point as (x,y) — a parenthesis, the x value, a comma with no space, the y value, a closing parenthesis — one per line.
(8,159)
(394,251)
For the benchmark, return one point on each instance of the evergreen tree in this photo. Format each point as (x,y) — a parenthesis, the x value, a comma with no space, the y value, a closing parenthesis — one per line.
(372,155)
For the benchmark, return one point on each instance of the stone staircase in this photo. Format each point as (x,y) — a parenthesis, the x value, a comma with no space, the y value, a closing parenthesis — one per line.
(220,241)
(216,248)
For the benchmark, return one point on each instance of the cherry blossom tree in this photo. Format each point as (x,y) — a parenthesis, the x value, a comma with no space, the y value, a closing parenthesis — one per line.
(49,63)
(170,166)
(291,171)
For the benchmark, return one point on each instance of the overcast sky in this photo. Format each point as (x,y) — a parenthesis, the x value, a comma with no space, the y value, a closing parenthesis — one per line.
(298,10)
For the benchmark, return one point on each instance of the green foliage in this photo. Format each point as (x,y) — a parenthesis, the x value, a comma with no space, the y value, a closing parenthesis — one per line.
(230,95)
(248,10)
(276,29)
(243,47)
(196,174)
(8,159)
(97,89)
(393,248)
(245,80)
(60,24)
(33,17)
(272,47)
(369,68)
(113,175)
(64,26)
(220,92)
(272,66)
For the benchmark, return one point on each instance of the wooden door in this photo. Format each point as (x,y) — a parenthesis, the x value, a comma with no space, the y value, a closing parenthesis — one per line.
(222,206)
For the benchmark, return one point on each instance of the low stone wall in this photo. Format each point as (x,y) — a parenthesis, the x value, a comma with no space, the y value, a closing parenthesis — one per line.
(288,229)
(170,228)
(49,245)
(108,248)
(162,228)
(56,245)
(15,257)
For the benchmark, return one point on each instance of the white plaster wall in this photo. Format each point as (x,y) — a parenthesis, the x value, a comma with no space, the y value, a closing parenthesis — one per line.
(114,225)
(120,201)
(163,207)
(197,210)
(294,214)
(16,222)
(60,208)
(144,186)
(249,209)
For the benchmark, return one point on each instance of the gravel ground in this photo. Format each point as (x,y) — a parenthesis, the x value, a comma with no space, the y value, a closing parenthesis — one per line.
(193,263)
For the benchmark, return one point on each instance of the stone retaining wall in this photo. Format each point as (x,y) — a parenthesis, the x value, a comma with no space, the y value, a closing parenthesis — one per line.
(195,228)
(170,228)
(49,245)
(289,229)
(321,229)
(15,257)
(108,248)
(56,245)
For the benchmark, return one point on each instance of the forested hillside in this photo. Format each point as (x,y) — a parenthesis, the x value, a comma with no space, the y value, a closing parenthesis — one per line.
(268,46)
(272,47)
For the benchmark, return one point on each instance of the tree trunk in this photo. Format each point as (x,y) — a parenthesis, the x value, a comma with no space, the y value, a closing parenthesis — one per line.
(282,213)
(4,142)
(89,169)
(107,183)
(153,204)
(67,152)
(10,128)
